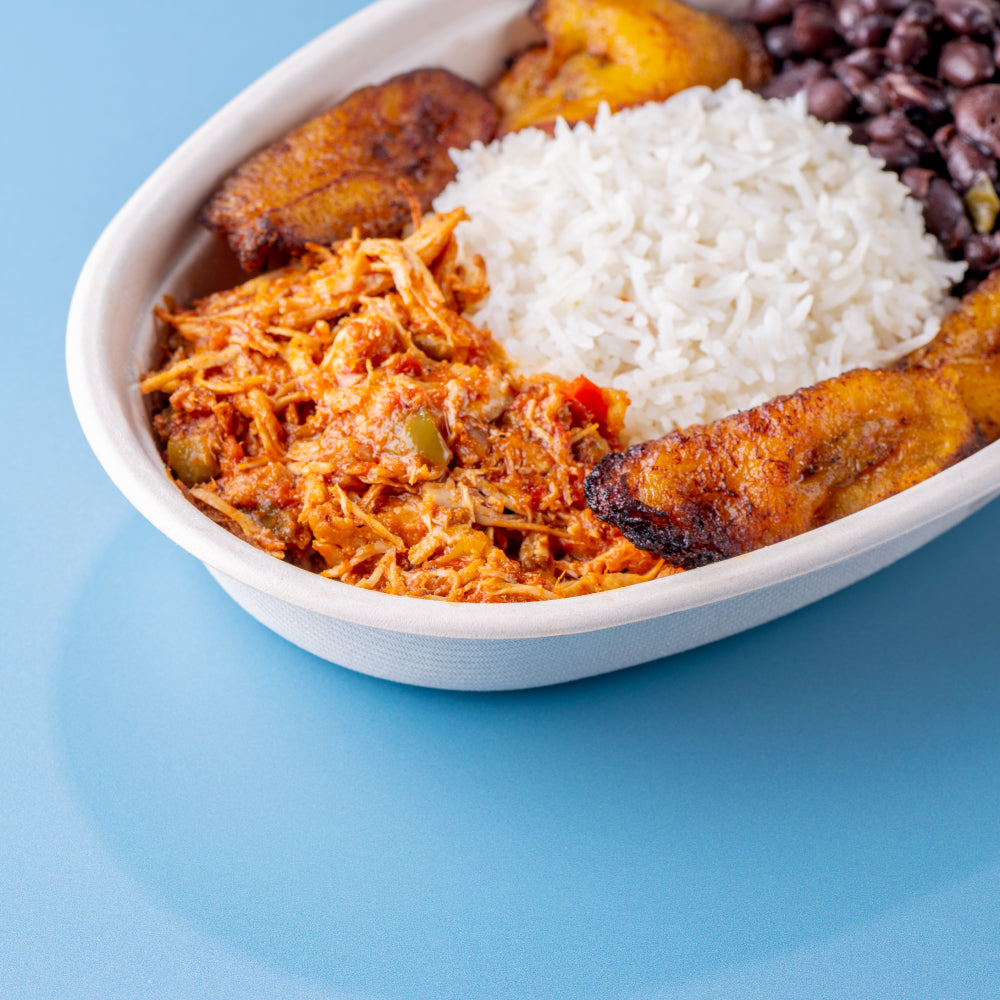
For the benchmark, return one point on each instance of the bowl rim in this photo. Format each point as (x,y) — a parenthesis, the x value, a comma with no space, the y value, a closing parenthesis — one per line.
(137,470)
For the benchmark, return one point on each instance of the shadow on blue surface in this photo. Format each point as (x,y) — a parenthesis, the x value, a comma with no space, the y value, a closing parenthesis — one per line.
(625,833)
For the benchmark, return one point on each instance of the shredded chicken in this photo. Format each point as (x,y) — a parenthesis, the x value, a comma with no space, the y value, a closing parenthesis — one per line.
(341,413)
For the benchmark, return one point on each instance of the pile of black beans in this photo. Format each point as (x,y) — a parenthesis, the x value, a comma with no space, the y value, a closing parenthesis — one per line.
(917,82)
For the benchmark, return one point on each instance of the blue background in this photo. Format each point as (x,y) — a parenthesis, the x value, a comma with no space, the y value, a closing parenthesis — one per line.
(191,807)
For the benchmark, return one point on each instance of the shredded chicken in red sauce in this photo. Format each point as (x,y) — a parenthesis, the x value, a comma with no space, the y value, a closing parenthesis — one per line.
(340,413)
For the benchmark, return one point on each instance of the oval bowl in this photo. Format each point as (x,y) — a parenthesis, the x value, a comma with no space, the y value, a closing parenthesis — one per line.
(154,247)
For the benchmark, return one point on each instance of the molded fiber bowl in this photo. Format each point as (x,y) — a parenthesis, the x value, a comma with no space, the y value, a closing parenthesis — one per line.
(154,247)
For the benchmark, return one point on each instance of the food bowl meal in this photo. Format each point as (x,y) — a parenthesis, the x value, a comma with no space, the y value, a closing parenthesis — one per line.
(156,250)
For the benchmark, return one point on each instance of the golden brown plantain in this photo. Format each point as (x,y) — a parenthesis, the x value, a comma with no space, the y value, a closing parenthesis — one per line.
(794,463)
(623,52)
(966,350)
(355,166)
(972,329)
(977,381)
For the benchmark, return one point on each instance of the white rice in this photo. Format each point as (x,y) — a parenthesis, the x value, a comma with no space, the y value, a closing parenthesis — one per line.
(703,254)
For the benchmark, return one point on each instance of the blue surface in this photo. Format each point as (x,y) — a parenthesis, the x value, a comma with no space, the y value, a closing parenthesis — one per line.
(191,807)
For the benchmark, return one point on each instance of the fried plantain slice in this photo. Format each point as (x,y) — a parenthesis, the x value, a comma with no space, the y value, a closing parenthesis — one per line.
(796,462)
(977,381)
(972,329)
(966,350)
(357,166)
(623,52)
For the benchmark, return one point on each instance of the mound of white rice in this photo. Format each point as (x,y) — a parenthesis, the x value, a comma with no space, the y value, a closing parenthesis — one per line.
(703,254)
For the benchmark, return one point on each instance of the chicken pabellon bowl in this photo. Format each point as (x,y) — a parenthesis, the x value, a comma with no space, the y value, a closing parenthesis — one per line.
(454,467)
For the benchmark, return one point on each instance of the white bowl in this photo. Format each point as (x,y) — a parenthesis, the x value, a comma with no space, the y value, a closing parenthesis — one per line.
(154,247)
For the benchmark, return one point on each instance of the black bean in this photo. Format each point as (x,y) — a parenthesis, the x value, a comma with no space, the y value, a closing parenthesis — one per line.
(918,180)
(832,53)
(887,128)
(977,116)
(813,28)
(873,100)
(919,96)
(896,127)
(793,78)
(870,30)
(779,41)
(862,28)
(920,12)
(908,44)
(966,162)
(965,63)
(875,6)
(897,154)
(944,215)
(982,251)
(770,11)
(858,133)
(868,93)
(869,60)
(963,160)
(852,77)
(967,17)
(829,100)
